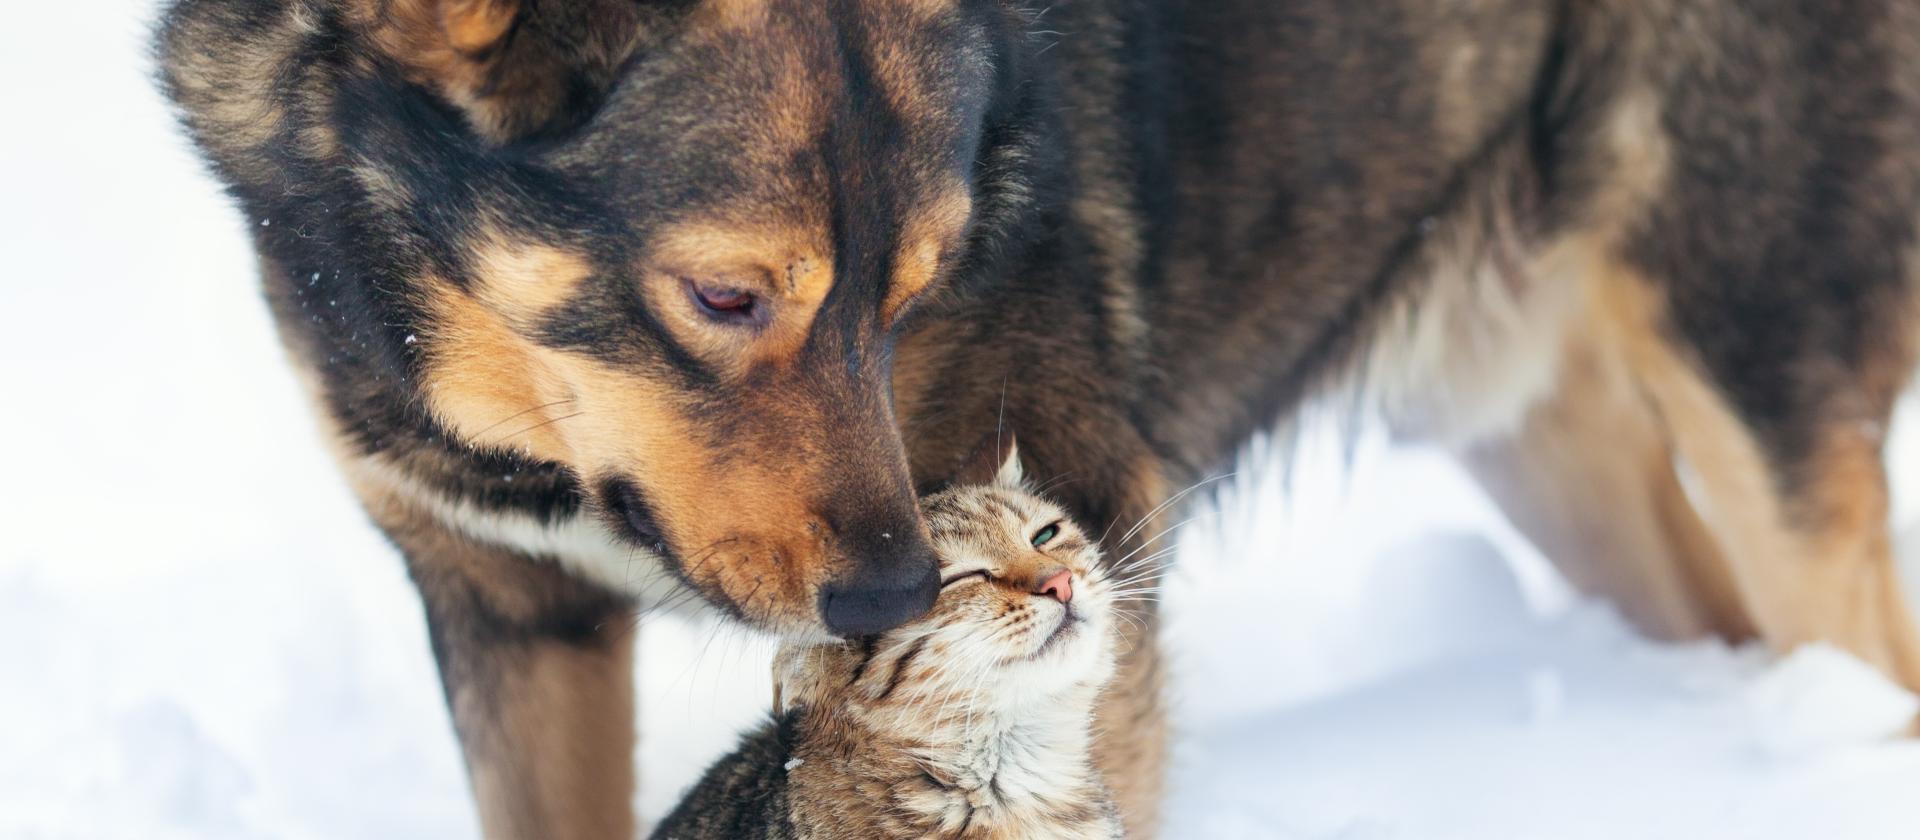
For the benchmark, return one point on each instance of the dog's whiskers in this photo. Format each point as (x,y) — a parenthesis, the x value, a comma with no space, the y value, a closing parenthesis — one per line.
(539,425)
(518,414)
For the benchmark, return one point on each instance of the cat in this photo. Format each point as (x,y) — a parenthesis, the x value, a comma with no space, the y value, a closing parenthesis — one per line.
(971,722)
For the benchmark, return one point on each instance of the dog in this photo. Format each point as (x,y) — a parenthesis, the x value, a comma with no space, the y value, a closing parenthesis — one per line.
(607,300)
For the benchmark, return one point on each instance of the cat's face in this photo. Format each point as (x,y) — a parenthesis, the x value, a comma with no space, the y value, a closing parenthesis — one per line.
(1024,613)
(1020,587)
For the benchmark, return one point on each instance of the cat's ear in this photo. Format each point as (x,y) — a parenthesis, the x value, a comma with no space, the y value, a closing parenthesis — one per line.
(1010,475)
(995,461)
(514,68)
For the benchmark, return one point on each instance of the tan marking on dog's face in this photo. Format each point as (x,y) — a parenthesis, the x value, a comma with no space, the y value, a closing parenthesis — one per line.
(741,518)
(487,383)
(743,515)
(932,233)
(777,144)
(485,380)
(765,448)
(787,269)
(525,280)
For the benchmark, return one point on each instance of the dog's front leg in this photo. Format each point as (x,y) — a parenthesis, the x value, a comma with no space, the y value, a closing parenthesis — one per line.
(538,671)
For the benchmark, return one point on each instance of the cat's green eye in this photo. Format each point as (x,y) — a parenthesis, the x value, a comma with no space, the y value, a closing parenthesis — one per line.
(1046,535)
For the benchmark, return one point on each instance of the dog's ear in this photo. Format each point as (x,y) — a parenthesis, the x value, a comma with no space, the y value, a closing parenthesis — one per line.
(514,68)
(995,461)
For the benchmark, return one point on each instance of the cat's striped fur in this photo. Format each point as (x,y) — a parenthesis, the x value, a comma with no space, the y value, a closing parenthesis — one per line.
(969,723)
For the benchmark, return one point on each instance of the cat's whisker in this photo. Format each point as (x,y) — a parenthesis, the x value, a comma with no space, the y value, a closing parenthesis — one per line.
(1129,560)
(1150,584)
(953,686)
(955,680)
(940,676)
(1121,578)
(1135,622)
(1145,586)
(979,679)
(1143,574)
(1171,501)
(1148,563)
(1148,588)
(1052,483)
(1148,576)
(1133,558)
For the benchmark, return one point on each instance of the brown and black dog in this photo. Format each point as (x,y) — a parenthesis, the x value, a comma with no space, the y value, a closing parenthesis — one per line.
(604,294)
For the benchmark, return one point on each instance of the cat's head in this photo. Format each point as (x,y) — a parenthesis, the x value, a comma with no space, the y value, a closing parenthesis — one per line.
(1025,612)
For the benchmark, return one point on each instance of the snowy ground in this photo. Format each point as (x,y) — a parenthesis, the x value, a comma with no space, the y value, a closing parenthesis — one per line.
(201,637)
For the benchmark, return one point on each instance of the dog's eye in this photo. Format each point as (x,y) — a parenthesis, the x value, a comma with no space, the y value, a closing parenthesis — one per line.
(724,303)
(1046,535)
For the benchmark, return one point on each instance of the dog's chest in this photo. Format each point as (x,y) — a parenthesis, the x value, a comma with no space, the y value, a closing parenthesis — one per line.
(578,542)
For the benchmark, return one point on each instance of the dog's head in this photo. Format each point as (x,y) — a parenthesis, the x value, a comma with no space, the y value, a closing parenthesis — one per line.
(664,245)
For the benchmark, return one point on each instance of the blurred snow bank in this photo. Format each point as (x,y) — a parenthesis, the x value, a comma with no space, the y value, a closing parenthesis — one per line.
(1818,698)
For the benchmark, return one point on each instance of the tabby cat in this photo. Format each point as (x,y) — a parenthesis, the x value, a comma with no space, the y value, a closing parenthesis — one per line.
(969,723)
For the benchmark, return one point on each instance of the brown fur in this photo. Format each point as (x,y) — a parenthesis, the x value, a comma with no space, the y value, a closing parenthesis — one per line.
(508,70)
(1599,441)
(1815,566)
(538,676)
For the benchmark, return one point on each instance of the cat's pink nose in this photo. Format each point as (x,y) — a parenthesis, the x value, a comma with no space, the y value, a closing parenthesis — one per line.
(1059,587)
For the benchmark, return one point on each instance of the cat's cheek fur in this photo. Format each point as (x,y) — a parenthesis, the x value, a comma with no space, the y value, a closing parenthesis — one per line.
(968,722)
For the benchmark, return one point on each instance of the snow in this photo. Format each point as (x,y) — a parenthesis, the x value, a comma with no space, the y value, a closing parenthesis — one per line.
(1819,698)
(200,635)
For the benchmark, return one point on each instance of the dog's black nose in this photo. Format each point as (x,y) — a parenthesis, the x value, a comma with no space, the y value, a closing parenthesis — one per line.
(882,593)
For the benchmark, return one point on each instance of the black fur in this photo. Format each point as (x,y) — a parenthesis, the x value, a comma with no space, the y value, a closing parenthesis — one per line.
(743,796)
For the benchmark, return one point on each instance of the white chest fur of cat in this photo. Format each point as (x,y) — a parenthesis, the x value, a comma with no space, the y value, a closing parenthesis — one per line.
(971,722)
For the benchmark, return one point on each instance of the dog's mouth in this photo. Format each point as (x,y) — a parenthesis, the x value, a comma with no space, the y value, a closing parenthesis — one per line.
(626,512)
